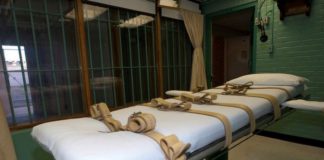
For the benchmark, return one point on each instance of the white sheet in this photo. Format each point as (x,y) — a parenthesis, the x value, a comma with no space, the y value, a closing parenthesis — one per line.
(86,139)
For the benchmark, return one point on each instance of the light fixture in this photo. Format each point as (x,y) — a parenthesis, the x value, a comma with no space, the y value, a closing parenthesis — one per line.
(136,21)
(169,3)
(261,23)
(90,12)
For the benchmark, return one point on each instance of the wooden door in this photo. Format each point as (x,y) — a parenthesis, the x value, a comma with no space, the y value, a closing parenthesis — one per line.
(237,57)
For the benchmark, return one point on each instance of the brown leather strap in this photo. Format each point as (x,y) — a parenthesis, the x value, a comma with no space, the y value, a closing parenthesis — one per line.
(162,104)
(208,98)
(241,90)
(221,117)
(282,89)
(173,148)
(271,99)
(254,88)
(113,124)
(247,109)
(143,123)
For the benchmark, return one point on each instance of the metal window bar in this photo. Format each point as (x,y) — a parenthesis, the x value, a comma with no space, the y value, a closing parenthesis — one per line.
(101,57)
(20,58)
(174,55)
(13,115)
(111,56)
(147,64)
(90,60)
(121,59)
(180,57)
(37,60)
(66,58)
(167,54)
(130,59)
(52,57)
(185,58)
(139,63)
(154,63)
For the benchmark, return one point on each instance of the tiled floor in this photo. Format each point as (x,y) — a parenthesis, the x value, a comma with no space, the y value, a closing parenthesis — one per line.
(264,148)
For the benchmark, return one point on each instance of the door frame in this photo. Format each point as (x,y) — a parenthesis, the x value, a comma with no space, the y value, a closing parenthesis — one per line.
(208,37)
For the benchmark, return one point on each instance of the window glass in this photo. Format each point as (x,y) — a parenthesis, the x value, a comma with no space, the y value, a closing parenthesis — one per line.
(41,78)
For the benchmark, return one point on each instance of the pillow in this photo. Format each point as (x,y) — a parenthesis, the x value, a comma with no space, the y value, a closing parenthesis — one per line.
(272,79)
(306,105)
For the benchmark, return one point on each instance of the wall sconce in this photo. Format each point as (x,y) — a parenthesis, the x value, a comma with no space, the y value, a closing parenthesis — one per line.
(261,22)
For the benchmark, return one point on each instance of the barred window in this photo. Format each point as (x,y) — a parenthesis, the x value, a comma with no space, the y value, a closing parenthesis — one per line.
(40,72)
(41,78)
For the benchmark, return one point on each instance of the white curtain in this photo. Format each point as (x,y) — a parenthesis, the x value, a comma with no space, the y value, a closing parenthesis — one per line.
(7,151)
(194,23)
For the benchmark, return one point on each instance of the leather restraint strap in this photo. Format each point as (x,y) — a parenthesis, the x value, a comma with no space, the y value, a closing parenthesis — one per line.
(282,89)
(243,88)
(201,99)
(143,123)
(256,88)
(272,100)
(223,119)
(158,102)
(240,90)
(172,147)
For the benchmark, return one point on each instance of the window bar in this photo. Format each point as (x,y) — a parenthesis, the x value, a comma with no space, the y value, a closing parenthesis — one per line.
(13,115)
(66,58)
(185,57)
(190,51)
(174,55)
(111,57)
(179,57)
(20,58)
(147,66)
(52,57)
(37,60)
(139,64)
(90,59)
(167,53)
(154,61)
(130,59)
(101,57)
(121,58)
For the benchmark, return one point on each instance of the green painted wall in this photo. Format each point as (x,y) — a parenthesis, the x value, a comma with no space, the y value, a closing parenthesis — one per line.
(28,149)
(295,45)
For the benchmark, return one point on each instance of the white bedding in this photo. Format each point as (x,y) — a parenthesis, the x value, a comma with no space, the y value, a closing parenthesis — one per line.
(87,139)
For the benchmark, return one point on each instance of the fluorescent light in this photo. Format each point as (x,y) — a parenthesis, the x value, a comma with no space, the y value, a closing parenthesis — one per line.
(90,12)
(169,3)
(136,21)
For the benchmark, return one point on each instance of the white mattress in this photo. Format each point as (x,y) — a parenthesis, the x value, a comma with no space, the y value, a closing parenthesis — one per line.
(87,139)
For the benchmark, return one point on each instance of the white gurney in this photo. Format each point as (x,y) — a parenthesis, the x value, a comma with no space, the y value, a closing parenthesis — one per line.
(88,139)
